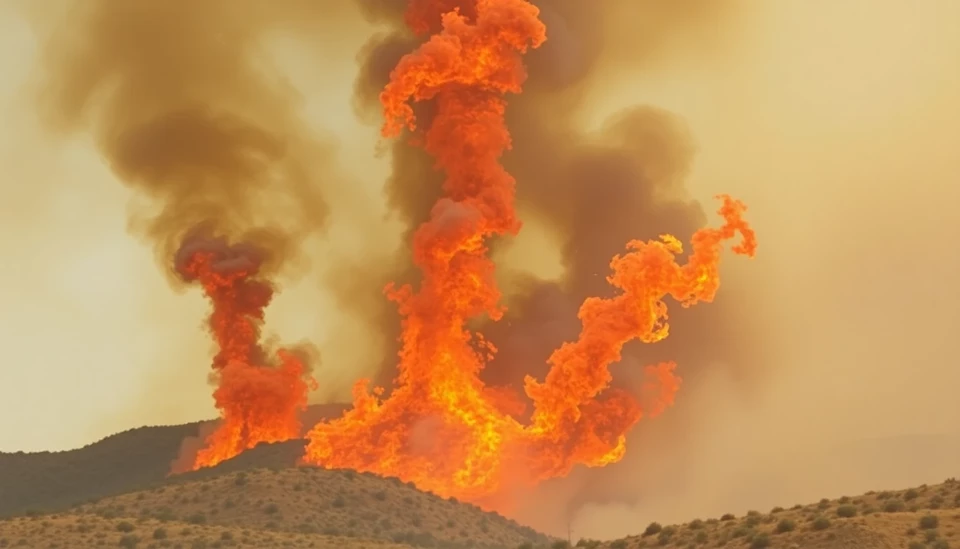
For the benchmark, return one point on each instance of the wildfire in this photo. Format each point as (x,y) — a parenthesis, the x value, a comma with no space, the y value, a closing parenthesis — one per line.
(258,401)
(441,427)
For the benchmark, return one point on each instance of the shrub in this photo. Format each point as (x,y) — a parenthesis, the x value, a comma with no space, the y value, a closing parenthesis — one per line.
(893,506)
(197,518)
(821,523)
(728,516)
(760,541)
(125,527)
(652,528)
(929,522)
(701,537)
(916,545)
(129,541)
(910,495)
(696,524)
(786,525)
(271,509)
(619,544)
(846,511)
(160,533)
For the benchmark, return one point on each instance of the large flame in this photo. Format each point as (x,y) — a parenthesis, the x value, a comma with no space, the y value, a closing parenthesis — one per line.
(441,427)
(258,401)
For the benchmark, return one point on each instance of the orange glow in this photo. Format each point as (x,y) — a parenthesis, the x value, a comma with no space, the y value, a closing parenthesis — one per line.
(441,427)
(258,401)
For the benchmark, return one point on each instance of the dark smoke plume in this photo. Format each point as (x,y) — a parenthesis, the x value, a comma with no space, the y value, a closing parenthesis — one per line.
(186,109)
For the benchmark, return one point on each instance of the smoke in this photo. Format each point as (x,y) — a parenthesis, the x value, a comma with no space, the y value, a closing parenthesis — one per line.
(186,110)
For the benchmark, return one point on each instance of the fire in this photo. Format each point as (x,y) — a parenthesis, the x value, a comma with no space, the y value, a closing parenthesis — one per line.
(441,427)
(258,401)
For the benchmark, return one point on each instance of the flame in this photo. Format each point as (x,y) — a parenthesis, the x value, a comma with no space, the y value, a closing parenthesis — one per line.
(258,401)
(441,427)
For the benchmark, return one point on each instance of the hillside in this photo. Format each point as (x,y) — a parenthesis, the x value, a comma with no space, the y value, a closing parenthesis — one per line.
(302,506)
(927,517)
(131,460)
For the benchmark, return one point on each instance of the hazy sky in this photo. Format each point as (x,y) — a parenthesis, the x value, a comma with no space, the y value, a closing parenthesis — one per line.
(837,122)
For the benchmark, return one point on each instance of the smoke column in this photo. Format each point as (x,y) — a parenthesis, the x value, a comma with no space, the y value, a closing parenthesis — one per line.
(186,113)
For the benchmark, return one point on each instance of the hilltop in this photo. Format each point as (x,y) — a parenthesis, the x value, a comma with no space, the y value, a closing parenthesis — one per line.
(926,517)
(293,507)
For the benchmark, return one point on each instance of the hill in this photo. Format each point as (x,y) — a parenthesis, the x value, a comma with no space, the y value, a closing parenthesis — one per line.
(271,508)
(926,517)
(132,460)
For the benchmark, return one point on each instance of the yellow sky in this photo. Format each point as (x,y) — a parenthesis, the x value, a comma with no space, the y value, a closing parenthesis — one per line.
(837,122)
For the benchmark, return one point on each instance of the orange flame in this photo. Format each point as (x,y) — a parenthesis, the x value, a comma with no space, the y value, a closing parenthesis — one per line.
(258,402)
(441,427)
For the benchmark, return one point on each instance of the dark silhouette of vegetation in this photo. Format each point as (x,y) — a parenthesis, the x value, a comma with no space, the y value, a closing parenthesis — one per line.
(846,511)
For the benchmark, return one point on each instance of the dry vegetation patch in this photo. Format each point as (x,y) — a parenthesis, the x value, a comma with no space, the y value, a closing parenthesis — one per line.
(925,517)
(80,531)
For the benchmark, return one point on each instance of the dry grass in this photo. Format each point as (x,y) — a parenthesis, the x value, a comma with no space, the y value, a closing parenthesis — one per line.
(305,507)
(70,531)
(927,517)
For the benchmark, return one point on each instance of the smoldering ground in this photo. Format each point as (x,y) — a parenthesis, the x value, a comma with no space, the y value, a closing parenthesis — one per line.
(832,123)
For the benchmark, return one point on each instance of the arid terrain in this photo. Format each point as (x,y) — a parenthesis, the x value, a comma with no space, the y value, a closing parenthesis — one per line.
(310,507)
